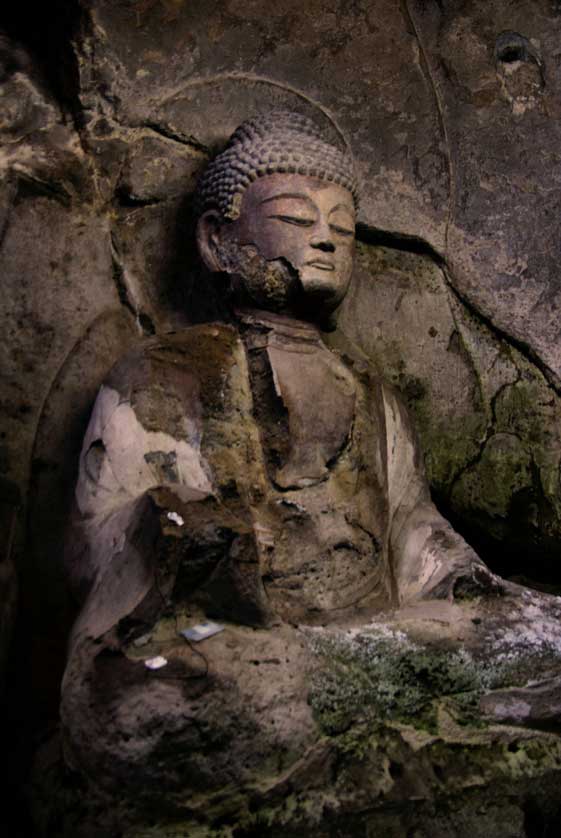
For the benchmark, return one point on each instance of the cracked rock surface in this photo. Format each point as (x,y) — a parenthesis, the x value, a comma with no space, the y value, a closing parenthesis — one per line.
(452,112)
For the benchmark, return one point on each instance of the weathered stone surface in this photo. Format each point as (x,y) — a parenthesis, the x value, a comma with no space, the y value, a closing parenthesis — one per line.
(200,723)
(163,82)
(344,730)
(44,290)
(500,99)
(534,705)
(158,168)
(58,285)
(183,71)
(155,102)
(455,127)
(298,484)
(399,313)
(488,419)
(37,151)
(152,257)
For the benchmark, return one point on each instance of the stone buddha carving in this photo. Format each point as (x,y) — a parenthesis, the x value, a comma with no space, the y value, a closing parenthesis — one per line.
(243,471)
(304,468)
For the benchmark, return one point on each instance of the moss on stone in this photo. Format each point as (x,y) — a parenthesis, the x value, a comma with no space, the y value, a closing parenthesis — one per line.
(383,676)
(423,340)
(504,469)
(412,297)
(448,443)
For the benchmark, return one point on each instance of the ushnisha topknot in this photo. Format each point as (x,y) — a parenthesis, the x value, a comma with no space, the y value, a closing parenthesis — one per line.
(275,142)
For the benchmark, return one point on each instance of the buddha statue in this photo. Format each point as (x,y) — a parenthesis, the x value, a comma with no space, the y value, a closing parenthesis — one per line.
(242,471)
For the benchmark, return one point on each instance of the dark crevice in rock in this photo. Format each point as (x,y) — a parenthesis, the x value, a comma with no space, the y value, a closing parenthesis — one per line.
(532,563)
(125,199)
(511,47)
(523,348)
(121,286)
(269,410)
(397,241)
(10,185)
(143,320)
(32,187)
(414,244)
(108,96)
(490,431)
(424,66)
(512,54)
(45,31)
(177,136)
(146,323)
(523,552)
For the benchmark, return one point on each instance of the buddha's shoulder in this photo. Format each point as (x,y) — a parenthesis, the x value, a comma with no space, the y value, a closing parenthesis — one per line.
(197,354)
(361,366)
(378,391)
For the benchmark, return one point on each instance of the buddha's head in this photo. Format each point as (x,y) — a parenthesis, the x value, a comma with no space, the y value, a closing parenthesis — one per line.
(277,214)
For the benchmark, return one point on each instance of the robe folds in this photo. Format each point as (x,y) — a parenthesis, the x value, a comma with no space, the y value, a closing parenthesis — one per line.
(250,471)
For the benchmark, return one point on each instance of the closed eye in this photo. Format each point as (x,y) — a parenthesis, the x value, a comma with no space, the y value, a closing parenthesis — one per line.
(292,219)
(341,231)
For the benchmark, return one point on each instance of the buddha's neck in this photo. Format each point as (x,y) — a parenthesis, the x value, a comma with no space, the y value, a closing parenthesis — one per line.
(282,324)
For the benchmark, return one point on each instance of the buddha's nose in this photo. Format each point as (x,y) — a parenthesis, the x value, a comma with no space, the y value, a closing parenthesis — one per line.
(323,244)
(322,237)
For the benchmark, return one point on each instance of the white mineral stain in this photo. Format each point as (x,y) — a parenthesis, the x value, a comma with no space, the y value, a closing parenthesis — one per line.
(514,709)
(155,663)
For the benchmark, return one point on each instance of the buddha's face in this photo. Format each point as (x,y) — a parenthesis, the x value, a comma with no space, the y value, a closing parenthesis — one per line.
(297,221)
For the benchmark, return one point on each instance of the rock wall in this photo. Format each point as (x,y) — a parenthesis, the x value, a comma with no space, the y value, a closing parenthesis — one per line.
(452,112)
(487,416)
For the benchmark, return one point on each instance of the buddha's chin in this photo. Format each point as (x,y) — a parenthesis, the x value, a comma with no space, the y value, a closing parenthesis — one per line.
(323,288)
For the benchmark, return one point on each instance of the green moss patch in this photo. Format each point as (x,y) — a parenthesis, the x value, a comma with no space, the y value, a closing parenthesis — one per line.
(380,675)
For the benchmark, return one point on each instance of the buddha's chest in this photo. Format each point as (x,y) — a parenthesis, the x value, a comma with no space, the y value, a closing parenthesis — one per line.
(321,523)
(304,403)
(292,441)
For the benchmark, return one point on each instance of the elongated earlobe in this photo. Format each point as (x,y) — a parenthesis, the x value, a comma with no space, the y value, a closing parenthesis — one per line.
(208,240)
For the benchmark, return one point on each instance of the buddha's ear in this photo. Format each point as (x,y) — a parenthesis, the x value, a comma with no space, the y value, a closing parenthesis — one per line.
(209,228)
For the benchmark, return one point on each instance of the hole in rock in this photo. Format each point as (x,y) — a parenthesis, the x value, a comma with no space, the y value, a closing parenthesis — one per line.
(512,54)
(396,770)
(511,47)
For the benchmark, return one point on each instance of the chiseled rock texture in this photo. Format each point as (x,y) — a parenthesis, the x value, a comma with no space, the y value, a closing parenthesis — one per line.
(418,724)
(452,112)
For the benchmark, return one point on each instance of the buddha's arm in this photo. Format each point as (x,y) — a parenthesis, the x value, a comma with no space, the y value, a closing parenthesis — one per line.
(122,464)
(429,559)
(121,459)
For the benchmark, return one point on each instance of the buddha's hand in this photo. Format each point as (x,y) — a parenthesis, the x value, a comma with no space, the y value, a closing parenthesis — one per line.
(467,581)
(448,568)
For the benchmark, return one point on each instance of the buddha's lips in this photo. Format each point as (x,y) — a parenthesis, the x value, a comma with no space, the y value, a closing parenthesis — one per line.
(323,266)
